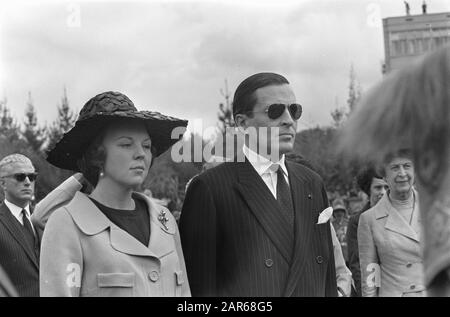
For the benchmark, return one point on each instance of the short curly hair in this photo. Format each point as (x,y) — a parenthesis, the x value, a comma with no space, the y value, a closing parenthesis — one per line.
(408,109)
(365,177)
(402,153)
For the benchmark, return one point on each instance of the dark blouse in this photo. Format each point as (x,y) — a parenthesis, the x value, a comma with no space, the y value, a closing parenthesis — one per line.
(136,222)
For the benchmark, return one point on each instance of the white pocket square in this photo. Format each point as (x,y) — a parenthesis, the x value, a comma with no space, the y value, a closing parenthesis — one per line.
(325,215)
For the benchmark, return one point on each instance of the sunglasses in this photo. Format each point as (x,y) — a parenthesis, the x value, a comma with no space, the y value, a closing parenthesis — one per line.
(275,110)
(20,177)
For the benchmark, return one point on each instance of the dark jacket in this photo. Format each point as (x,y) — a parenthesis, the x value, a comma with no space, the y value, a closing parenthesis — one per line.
(17,257)
(6,287)
(352,249)
(237,243)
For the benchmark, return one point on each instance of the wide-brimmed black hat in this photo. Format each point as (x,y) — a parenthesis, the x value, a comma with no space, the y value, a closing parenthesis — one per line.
(101,110)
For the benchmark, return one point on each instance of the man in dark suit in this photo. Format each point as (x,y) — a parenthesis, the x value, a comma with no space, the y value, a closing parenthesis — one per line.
(251,227)
(19,243)
(6,287)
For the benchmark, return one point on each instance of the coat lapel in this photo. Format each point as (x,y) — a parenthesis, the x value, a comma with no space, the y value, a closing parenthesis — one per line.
(304,222)
(265,208)
(92,221)
(160,236)
(397,223)
(13,226)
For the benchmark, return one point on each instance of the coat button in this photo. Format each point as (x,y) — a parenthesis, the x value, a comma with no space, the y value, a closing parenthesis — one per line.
(269,262)
(309,196)
(319,259)
(408,265)
(412,287)
(153,276)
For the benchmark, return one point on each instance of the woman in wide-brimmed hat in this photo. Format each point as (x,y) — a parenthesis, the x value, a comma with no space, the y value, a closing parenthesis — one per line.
(114,242)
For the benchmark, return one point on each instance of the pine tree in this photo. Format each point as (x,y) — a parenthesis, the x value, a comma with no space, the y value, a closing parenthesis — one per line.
(9,128)
(63,123)
(354,91)
(339,114)
(225,114)
(33,134)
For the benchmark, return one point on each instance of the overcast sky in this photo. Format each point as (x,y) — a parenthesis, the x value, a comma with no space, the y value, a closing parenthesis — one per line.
(173,56)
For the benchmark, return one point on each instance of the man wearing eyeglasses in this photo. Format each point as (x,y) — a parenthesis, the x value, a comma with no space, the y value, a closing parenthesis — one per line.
(19,242)
(251,227)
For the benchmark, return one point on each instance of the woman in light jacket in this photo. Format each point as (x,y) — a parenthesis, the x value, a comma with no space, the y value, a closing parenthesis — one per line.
(115,241)
(389,235)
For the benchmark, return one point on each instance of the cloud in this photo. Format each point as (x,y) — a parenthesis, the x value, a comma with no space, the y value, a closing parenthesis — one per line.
(173,57)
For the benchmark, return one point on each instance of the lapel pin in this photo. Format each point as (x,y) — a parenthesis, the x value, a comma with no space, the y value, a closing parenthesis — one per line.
(163,219)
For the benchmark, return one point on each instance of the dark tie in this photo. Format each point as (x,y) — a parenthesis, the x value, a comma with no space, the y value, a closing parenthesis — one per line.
(28,229)
(284,196)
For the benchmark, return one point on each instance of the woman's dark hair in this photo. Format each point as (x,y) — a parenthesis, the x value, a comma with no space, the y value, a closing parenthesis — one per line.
(365,177)
(244,100)
(93,159)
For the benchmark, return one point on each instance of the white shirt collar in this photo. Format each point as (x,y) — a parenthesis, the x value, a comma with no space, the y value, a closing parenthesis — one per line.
(261,164)
(16,210)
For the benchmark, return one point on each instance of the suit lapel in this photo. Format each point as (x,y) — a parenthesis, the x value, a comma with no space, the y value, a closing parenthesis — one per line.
(265,208)
(13,226)
(303,219)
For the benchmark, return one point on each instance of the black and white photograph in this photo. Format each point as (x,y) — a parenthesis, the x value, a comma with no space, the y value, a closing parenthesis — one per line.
(253,149)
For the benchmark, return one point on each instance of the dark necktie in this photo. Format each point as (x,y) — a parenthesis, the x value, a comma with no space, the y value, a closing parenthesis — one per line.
(28,229)
(284,196)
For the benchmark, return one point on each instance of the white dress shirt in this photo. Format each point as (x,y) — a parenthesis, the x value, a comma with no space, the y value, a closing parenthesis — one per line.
(17,212)
(266,169)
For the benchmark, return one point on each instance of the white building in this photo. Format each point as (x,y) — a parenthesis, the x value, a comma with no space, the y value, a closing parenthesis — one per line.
(408,37)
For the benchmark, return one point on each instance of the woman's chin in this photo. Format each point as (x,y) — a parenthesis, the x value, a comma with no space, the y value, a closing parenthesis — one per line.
(134,182)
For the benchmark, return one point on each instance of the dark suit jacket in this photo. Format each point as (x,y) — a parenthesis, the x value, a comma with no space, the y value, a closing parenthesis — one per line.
(18,257)
(352,248)
(6,287)
(236,243)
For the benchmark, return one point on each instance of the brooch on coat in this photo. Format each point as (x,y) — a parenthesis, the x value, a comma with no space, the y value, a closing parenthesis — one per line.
(163,219)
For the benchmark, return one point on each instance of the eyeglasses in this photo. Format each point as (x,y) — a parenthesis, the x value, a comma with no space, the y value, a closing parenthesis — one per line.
(275,110)
(20,177)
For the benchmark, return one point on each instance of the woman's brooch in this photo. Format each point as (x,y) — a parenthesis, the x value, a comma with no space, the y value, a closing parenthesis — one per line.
(163,219)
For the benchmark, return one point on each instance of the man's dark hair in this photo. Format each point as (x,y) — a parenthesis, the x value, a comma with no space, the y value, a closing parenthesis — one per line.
(365,177)
(244,100)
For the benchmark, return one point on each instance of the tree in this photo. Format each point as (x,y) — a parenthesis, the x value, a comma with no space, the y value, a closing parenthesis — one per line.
(354,91)
(318,147)
(33,134)
(8,126)
(226,140)
(225,114)
(63,123)
(339,114)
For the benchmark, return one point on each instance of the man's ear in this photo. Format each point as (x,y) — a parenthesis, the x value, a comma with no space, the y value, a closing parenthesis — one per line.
(241,122)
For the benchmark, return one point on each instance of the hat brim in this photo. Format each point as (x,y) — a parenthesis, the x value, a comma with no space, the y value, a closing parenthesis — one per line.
(74,143)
